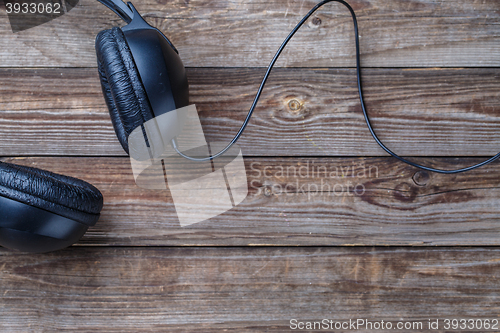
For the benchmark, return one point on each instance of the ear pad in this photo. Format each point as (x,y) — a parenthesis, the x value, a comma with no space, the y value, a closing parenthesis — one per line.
(66,196)
(121,84)
(31,195)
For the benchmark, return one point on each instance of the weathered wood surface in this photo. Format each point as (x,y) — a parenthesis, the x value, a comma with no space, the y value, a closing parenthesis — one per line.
(243,289)
(138,270)
(425,112)
(302,201)
(418,33)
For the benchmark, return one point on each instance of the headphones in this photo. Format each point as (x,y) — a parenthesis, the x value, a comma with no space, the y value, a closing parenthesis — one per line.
(142,77)
(43,211)
(141,73)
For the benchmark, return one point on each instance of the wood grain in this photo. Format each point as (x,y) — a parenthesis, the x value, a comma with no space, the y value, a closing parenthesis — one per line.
(425,112)
(320,189)
(417,33)
(302,201)
(242,289)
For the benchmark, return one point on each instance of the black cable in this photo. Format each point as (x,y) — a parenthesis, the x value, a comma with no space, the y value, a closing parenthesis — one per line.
(360,90)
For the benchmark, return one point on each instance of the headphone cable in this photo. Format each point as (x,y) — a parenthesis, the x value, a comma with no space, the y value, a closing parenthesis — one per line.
(361,98)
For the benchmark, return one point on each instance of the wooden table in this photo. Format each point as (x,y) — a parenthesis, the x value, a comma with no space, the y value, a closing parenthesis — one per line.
(405,245)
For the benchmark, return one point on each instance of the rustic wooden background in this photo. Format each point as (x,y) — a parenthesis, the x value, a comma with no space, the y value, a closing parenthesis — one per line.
(403,245)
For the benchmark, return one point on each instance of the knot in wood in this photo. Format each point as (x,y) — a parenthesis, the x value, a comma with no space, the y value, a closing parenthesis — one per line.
(316,21)
(294,105)
(421,178)
(268,191)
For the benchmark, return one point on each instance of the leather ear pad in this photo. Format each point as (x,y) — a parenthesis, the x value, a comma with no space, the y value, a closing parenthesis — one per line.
(121,84)
(62,195)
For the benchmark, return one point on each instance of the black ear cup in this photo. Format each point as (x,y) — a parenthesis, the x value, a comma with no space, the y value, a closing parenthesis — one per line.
(63,195)
(121,84)
(43,211)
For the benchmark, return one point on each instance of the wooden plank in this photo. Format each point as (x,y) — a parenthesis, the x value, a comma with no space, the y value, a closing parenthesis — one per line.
(303,201)
(400,33)
(447,112)
(243,289)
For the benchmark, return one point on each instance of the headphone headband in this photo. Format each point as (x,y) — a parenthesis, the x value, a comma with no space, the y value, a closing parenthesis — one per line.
(119,8)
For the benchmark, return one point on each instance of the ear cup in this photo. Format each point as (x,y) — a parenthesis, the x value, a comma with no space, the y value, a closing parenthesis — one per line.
(65,196)
(121,84)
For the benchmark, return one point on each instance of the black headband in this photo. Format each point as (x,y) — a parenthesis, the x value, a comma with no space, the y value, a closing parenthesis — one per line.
(120,8)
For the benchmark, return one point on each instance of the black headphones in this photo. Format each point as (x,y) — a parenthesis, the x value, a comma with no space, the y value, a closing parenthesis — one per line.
(142,77)
(43,211)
